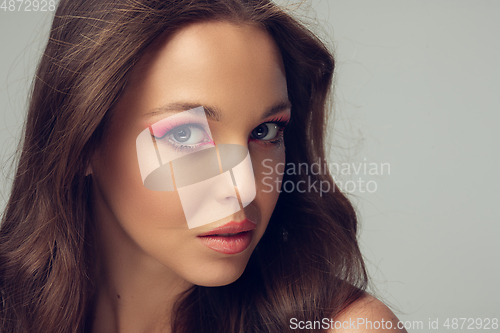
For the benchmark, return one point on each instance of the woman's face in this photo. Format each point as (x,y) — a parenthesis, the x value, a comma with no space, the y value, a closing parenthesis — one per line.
(235,73)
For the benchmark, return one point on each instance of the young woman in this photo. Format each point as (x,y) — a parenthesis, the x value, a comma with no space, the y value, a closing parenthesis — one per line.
(89,243)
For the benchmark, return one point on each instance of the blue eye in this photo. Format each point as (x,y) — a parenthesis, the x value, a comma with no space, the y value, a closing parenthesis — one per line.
(186,137)
(187,134)
(182,134)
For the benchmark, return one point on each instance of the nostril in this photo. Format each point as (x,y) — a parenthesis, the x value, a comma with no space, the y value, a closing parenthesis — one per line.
(227,200)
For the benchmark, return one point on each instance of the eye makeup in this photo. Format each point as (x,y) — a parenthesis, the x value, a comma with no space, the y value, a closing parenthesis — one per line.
(188,133)
(183,132)
(160,129)
(280,123)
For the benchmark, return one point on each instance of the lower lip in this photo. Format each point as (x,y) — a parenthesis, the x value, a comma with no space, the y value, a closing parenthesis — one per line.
(228,244)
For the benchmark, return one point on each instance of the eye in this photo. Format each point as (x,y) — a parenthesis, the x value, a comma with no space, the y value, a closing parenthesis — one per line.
(182,134)
(266,131)
(187,134)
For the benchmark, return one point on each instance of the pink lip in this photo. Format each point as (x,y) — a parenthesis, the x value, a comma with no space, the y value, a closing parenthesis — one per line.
(230,244)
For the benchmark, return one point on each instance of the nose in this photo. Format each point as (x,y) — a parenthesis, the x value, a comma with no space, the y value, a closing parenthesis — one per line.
(224,193)
(209,182)
(236,159)
(209,200)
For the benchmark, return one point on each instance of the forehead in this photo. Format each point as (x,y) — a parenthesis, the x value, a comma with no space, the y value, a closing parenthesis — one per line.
(235,43)
(219,63)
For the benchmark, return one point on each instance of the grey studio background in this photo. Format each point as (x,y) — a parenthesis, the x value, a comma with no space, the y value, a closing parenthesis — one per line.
(417,88)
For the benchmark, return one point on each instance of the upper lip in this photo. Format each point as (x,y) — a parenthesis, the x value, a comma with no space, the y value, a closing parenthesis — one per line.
(231,228)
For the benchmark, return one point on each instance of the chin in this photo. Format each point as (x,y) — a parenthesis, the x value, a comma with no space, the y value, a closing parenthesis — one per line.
(219,274)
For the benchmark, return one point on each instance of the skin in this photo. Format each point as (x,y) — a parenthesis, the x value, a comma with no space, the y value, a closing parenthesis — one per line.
(364,310)
(147,254)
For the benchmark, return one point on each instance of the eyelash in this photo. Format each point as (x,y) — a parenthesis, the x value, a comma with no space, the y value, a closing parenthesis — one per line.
(278,141)
(178,146)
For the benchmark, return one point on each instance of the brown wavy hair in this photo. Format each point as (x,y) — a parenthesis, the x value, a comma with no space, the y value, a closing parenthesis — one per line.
(307,265)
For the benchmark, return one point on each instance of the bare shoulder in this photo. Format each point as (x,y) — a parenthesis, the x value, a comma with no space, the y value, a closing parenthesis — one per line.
(366,315)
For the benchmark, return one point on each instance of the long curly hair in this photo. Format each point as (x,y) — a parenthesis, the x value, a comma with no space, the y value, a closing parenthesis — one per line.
(307,265)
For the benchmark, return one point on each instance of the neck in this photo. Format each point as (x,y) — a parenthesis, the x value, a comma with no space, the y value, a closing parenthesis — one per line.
(136,304)
(135,293)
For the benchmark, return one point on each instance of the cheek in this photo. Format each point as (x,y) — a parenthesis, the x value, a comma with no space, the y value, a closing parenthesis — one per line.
(133,205)
(268,169)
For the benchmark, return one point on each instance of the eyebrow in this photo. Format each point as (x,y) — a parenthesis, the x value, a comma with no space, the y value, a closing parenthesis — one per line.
(214,113)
